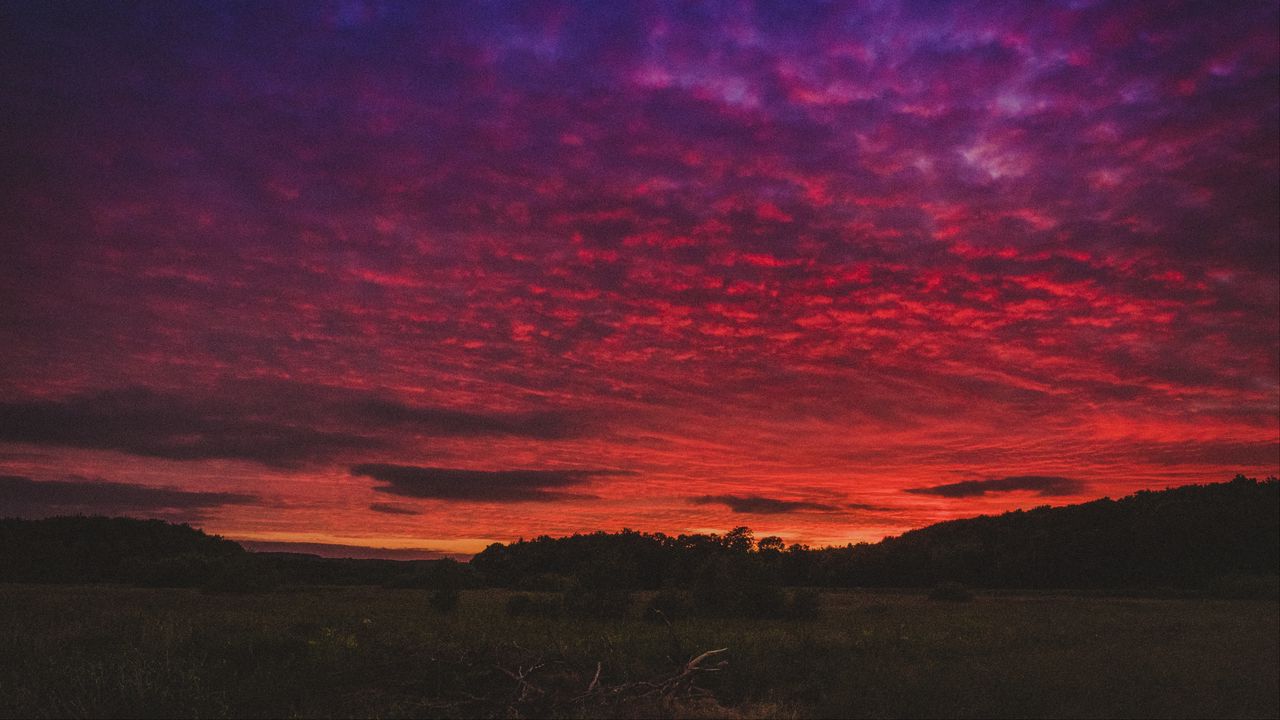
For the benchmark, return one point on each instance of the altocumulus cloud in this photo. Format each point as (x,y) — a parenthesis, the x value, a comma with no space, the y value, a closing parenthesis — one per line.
(25,497)
(483,485)
(1042,485)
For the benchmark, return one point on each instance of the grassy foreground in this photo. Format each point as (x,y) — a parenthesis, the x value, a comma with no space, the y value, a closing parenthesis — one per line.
(111,651)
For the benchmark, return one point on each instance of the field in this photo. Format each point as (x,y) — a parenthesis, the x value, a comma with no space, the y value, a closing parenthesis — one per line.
(112,651)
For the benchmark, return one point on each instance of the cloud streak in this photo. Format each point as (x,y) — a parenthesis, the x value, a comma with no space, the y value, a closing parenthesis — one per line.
(390,509)
(1041,485)
(502,486)
(152,424)
(757,505)
(276,424)
(25,497)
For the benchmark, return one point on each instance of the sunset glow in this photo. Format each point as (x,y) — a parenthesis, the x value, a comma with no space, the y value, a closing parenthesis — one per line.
(433,276)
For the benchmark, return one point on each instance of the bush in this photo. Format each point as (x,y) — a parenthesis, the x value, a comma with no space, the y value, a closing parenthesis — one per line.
(528,605)
(668,604)
(444,600)
(950,592)
(759,601)
(804,604)
(736,589)
(709,598)
(581,601)
(739,599)
(716,587)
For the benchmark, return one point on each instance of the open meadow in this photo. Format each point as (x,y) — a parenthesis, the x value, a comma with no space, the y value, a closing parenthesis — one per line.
(373,652)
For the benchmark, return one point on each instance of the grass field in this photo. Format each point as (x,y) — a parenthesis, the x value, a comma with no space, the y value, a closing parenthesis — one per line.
(108,651)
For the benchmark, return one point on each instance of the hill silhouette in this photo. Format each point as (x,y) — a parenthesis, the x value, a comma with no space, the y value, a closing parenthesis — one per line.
(155,553)
(79,549)
(1195,536)
(1181,537)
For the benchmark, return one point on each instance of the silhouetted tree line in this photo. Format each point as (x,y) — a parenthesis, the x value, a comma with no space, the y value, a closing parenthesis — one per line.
(1182,537)
(154,553)
(1187,537)
(100,549)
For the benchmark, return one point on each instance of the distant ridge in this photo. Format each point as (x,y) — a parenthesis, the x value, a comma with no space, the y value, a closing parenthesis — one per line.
(351,552)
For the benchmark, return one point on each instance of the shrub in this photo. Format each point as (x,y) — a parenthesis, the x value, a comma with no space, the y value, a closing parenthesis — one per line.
(736,589)
(739,599)
(668,604)
(710,598)
(716,587)
(950,592)
(528,605)
(581,601)
(444,599)
(759,601)
(804,604)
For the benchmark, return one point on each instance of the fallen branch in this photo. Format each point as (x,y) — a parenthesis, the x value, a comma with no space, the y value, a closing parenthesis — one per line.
(595,681)
(520,677)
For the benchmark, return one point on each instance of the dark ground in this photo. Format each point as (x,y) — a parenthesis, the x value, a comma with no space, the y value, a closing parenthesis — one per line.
(324,652)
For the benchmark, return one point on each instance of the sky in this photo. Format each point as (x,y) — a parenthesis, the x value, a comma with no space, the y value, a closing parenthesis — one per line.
(426,276)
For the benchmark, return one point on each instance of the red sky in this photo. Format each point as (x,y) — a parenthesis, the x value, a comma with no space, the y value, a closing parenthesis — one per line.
(432,276)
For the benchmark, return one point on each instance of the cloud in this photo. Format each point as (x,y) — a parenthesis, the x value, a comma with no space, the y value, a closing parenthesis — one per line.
(25,497)
(481,485)
(445,422)
(153,424)
(934,238)
(390,509)
(869,508)
(1042,485)
(23,457)
(281,425)
(756,505)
